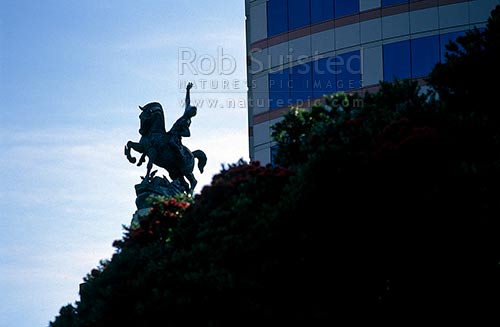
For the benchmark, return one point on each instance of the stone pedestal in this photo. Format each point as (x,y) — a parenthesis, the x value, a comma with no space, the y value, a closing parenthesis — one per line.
(155,186)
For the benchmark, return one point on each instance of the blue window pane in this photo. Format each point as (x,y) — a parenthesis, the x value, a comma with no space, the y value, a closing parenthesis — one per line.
(444,39)
(324,79)
(279,92)
(424,55)
(392,2)
(346,7)
(298,13)
(397,61)
(321,10)
(349,68)
(277,17)
(300,83)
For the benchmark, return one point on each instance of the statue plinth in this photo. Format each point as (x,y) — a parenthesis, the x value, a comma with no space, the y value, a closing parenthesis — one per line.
(155,186)
(164,149)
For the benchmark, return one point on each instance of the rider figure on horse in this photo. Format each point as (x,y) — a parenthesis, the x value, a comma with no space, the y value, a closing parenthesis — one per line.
(181,126)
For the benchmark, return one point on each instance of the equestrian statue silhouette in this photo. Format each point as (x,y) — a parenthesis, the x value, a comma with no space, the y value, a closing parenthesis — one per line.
(165,149)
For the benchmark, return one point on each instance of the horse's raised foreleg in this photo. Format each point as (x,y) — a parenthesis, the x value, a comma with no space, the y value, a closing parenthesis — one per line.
(142,160)
(129,156)
(135,146)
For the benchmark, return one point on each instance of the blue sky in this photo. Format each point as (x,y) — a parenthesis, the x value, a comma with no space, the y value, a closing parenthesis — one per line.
(72,74)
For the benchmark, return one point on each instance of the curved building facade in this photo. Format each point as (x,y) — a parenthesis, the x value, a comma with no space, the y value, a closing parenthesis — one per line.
(299,50)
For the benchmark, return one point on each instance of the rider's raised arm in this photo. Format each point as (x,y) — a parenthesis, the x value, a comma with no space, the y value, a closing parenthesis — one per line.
(188,98)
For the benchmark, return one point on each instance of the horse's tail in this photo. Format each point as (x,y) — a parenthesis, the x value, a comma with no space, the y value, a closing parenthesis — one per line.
(202,159)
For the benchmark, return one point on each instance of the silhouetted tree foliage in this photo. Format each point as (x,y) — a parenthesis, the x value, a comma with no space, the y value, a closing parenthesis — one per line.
(385,212)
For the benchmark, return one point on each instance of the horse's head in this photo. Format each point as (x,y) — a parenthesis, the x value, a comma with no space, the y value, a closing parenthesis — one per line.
(151,116)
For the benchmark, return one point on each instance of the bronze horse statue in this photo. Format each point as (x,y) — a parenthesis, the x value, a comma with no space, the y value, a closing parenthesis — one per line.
(165,149)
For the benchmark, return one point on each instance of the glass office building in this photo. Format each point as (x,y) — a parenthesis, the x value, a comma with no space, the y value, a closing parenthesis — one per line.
(299,50)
